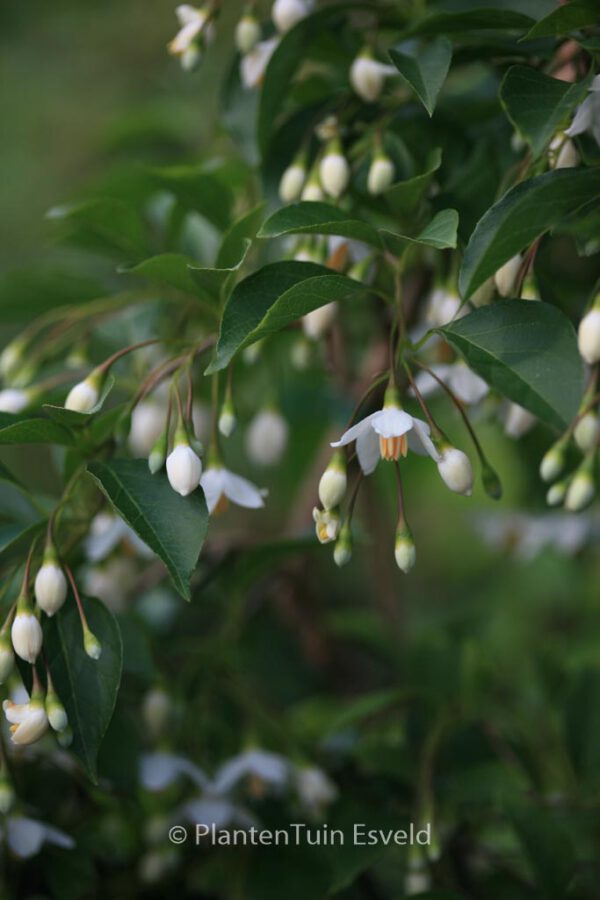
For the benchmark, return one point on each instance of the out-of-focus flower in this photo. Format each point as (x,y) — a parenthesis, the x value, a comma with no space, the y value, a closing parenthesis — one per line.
(588,334)
(111,581)
(84,396)
(334,170)
(316,323)
(157,708)
(563,153)
(467,386)
(247,33)
(14,400)
(267,437)
(367,75)
(292,181)
(106,532)
(381,173)
(506,276)
(316,790)
(26,837)
(525,536)
(587,115)
(147,424)
(264,769)
(443,307)
(287,13)
(517,420)
(158,771)
(220,485)
(254,64)
(196,28)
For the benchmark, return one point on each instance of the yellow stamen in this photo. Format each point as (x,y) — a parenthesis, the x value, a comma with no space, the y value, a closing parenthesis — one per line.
(393,447)
(222,505)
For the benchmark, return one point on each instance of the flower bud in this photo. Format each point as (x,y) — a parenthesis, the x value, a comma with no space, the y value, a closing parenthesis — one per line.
(12,357)
(50,585)
(156,711)
(312,190)
(267,437)
(587,431)
(334,481)
(316,323)
(334,170)
(26,632)
(342,553)
(227,419)
(381,174)
(557,493)
(292,182)
(91,644)
(183,467)
(553,462)
(7,657)
(455,468)
(404,548)
(327,524)
(491,481)
(506,276)
(287,13)
(28,720)
(55,711)
(367,76)
(14,400)
(588,335)
(581,490)
(84,396)
(65,737)
(147,424)
(158,454)
(563,153)
(247,33)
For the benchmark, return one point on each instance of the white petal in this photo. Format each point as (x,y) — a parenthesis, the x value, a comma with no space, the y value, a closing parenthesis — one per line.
(583,118)
(392,422)
(419,440)
(213,485)
(242,491)
(159,770)
(25,836)
(467,386)
(187,14)
(426,383)
(353,433)
(367,450)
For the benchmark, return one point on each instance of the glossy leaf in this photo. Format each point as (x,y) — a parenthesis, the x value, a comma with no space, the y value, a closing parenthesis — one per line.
(425,69)
(70,418)
(198,190)
(32,429)
(518,346)
(234,244)
(104,225)
(87,687)
(522,215)
(566,18)
(403,197)
(318,218)
(173,526)
(440,233)
(273,298)
(472,20)
(537,104)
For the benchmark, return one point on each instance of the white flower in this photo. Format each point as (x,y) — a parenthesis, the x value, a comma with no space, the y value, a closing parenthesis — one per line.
(287,13)
(247,33)
(315,789)
(381,174)
(292,182)
(147,424)
(517,420)
(563,153)
(462,381)
(443,306)
(111,582)
(184,469)
(50,587)
(26,635)
(327,524)
(587,115)
(316,323)
(455,468)
(83,397)
(227,419)
(192,22)
(159,771)
(254,64)
(267,437)
(26,837)
(388,433)
(333,482)
(526,536)
(553,462)
(271,769)
(367,76)
(506,276)
(587,431)
(588,335)
(13,400)
(334,171)
(106,532)
(220,485)
(28,721)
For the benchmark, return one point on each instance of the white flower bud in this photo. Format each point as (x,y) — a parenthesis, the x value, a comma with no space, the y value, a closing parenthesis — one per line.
(456,471)
(13,400)
(56,712)
(287,13)
(91,644)
(313,191)
(552,463)
(247,33)
(334,170)
(381,174)
(147,423)
(50,587)
(517,420)
(333,483)
(588,336)
(26,634)
(327,524)
(156,711)
(316,323)
(443,306)
(404,550)
(556,494)
(587,431)
(506,276)
(227,419)
(315,789)
(267,437)
(190,58)
(342,552)
(184,469)
(580,492)
(367,76)
(83,396)
(292,182)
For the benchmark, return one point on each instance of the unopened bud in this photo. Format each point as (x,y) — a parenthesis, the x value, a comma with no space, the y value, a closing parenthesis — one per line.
(287,13)
(381,174)
(588,334)
(334,481)
(184,467)
(12,357)
(292,181)
(455,469)
(84,396)
(553,462)
(581,490)
(557,493)
(367,76)
(342,553)
(491,481)
(587,431)
(334,170)
(26,632)
(267,437)
(55,711)
(50,585)
(158,454)
(404,548)
(14,400)
(312,190)
(227,419)
(91,644)
(247,33)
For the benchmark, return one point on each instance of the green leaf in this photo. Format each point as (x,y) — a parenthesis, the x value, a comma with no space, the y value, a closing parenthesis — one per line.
(549,848)
(518,347)
(441,233)
(215,281)
(27,429)
(172,269)
(104,225)
(566,18)
(15,539)
(234,245)
(70,418)
(273,298)
(318,218)
(537,104)
(474,20)
(403,197)
(173,526)
(522,215)
(87,687)
(425,69)
(198,190)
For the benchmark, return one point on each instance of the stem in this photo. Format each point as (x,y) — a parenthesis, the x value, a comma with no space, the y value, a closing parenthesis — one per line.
(82,616)
(105,366)
(401,507)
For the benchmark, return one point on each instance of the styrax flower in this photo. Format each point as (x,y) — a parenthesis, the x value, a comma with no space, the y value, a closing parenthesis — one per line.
(267,437)
(587,116)
(14,400)
(287,13)
(247,33)
(50,585)
(254,64)
(220,485)
(192,22)
(183,468)
(367,75)
(327,524)
(588,334)
(26,837)
(28,721)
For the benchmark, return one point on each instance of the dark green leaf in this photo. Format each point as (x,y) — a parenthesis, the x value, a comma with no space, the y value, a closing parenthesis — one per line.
(518,346)
(523,214)
(566,18)
(104,225)
(441,233)
(235,240)
(27,429)
(173,526)
(473,20)
(403,197)
(199,191)
(273,298)
(318,218)
(425,69)
(548,846)
(537,104)
(87,687)
(72,419)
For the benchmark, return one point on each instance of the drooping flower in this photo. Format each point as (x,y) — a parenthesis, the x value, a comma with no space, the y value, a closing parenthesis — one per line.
(14,400)
(465,384)
(147,424)
(327,524)
(292,181)
(267,437)
(26,632)
(220,486)
(50,586)
(184,467)
(254,64)
(367,75)
(193,24)
(247,33)
(26,837)
(334,170)
(381,173)
(287,13)
(333,481)
(587,115)
(455,468)
(28,721)
(588,334)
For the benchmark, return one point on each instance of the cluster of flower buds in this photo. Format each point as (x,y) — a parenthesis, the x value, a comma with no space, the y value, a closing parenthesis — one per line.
(29,721)
(576,489)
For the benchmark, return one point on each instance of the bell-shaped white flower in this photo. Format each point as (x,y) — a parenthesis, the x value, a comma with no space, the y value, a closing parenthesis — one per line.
(465,384)
(267,437)
(107,532)
(287,13)
(367,76)
(327,524)
(587,115)
(270,769)
(26,632)
(455,468)
(381,174)
(84,396)
(247,33)
(582,487)
(28,721)
(388,434)
(334,171)
(254,64)
(588,334)
(147,424)
(26,837)
(184,467)
(220,486)
(318,322)
(506,276)
(517,420)
(193,22)
(292,181)
(14,400)
(333,482)
(50,587)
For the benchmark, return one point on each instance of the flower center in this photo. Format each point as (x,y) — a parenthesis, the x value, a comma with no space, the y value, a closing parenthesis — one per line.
(221,505)
(391,448)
